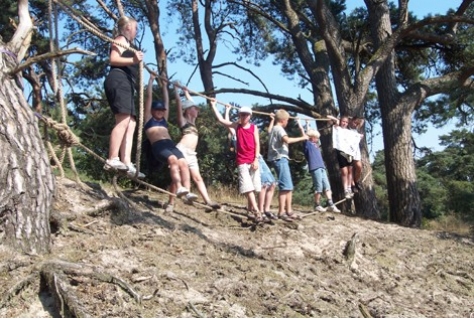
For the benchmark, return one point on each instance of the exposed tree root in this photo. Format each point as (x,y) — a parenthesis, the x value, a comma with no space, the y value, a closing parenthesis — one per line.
(56,276)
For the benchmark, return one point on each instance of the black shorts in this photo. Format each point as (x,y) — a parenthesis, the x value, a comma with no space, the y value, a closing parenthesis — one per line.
(119,91)
(342,160)
(163,149)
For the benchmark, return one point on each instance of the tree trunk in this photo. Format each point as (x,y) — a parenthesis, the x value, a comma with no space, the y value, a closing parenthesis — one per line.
(404,200)
(26,180)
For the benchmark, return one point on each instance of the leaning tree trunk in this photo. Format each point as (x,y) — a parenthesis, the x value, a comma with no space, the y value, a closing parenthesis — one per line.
(26,180)
(404,200)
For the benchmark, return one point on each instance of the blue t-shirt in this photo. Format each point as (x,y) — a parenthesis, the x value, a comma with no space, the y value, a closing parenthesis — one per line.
(313,156)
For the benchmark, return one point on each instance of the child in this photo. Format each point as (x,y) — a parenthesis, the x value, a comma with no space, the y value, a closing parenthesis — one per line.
(187,112)
(317,169)
(266,177)
(278,156)
(247,152)
(355,123)
(164,149)
(120,95)
(346,144)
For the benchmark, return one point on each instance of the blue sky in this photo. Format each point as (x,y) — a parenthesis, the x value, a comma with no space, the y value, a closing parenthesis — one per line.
(276,83)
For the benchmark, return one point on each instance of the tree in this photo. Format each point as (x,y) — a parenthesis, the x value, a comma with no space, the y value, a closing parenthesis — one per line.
(397,107)
(452,171)
(26,180)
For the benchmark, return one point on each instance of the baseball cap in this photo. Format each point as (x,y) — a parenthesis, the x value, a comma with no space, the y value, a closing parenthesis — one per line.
(186,104)
(158,105)
(245,109)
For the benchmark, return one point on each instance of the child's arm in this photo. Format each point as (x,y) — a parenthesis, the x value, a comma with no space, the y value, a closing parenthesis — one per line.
(257,148)
(227,118)
(291,140)
(179,107)
(219,115)
(335,120)
(149,97)
(272,122)
(166,98)
(186,93)
(301,127)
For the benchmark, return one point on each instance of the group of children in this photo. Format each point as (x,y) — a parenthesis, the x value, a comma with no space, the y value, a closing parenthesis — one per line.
(346,139)
(255,175)
(181,158)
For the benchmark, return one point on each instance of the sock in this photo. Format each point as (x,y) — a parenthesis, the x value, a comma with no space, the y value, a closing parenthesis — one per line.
(330,203)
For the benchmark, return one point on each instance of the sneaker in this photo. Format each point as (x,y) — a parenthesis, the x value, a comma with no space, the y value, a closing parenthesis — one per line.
(115,163)
(182,191)
(348,194)
(319,208)
(191,197)
(168,208)
(132,171)
(213,205)
(333,209)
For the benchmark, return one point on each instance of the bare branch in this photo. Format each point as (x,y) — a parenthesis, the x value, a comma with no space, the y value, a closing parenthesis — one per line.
(107,10)
(49,55)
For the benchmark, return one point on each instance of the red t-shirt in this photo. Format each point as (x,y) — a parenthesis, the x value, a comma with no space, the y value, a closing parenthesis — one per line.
(245,144)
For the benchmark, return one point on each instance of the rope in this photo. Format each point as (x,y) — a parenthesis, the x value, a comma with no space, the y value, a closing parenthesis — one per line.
(224,104)
(141,118)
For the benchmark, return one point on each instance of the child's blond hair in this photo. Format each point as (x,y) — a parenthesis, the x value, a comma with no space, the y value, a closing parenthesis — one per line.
(281,115)
(313,133)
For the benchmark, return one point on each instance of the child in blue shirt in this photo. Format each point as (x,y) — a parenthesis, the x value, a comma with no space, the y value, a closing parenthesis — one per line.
(317,169)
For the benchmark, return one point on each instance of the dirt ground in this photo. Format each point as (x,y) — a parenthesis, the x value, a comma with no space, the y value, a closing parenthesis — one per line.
(113,260)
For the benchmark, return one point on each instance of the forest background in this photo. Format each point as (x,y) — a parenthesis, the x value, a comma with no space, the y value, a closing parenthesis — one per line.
(401,72)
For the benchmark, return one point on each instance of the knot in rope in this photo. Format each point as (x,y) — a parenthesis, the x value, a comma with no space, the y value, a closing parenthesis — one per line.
(65,135)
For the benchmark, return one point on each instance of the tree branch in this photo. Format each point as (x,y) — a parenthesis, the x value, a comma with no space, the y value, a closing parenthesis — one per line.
(48,56)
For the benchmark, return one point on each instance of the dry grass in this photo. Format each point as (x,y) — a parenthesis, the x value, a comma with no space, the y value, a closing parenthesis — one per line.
(451,224)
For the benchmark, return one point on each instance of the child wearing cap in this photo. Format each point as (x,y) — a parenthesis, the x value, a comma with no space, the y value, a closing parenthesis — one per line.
(163,148)
(187,112)
(267,179)
(278,156)
(247,152)
(317,169)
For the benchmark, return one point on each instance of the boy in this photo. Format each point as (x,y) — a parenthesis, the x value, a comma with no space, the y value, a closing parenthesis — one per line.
(247,152)
(278,156)
(317,169)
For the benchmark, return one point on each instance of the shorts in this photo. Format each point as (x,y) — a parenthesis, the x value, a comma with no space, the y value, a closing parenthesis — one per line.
(190,156)
(357,155)
(163,149)
(282,167)
(320,180)
(249,179)
(266,176)
(343,162)
(119,91)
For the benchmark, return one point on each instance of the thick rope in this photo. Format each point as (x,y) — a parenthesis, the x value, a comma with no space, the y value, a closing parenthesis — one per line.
(140,120)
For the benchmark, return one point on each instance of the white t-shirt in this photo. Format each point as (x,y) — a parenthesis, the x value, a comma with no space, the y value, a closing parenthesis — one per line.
(347,141)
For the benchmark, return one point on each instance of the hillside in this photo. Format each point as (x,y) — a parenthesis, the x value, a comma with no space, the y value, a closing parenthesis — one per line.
(110,259)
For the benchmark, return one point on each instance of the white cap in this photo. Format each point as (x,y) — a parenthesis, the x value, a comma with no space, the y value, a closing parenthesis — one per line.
(186,104)
(245,109)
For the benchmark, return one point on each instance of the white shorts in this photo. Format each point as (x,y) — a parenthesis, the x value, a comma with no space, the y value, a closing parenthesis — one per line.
(249,179)
(190,156)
